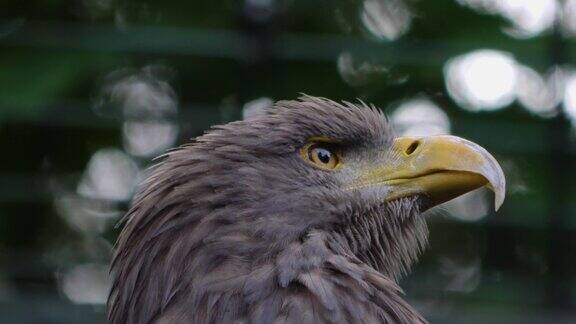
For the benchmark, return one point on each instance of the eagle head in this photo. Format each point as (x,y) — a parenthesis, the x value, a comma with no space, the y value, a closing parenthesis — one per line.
(313,203)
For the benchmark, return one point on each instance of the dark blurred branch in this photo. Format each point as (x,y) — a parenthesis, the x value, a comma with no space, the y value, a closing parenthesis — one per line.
(229,44)
(561,242)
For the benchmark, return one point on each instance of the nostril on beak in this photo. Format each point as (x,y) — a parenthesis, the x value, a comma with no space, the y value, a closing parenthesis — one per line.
(412,147)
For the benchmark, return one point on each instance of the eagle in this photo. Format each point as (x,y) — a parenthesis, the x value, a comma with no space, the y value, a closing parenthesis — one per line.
(308,213)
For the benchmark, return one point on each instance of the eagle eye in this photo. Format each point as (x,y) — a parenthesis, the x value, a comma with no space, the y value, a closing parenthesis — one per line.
(321,155)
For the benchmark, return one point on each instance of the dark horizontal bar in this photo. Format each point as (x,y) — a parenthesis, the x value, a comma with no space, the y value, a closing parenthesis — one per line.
(232,44)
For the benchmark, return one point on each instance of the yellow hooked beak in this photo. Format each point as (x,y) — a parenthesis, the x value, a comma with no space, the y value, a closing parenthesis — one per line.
(438,167)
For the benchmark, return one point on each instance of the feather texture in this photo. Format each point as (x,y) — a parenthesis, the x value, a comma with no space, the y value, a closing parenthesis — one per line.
(236,228)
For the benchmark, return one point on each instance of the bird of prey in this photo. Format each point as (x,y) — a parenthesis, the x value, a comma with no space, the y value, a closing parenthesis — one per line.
(309,213)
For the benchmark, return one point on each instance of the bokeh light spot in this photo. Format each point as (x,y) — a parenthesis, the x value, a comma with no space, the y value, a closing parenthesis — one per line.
(386,19)
(539,94)
(87,284)
(420,117)
(528,17)
(256,107)
(111,175)
(570,98)
(482,80)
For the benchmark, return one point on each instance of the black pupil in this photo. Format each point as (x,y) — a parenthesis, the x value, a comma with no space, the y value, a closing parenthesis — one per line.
(323,155)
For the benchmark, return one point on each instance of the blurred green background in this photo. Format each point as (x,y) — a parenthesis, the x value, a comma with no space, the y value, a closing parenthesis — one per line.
(92,90)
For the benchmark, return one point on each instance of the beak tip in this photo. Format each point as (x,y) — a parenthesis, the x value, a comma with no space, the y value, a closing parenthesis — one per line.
(499,195)
(498,203)
(496,179)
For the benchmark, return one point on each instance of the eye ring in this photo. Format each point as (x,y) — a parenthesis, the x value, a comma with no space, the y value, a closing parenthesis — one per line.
(321,155)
